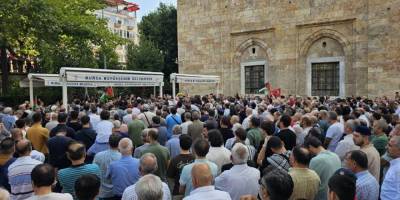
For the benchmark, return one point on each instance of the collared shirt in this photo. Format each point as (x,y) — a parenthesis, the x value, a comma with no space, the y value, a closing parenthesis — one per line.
(38,136)
(19,177)
(209,193)
(140,149)
(135,128)
(186,175)
(130,193)
(123,173)
(94,120)
(163,157)
(103,130)
(220,156)
(173,146)
(335,132)
(232,180)
(391,184)
(367,186)
(103,160)
(345,146)
(300,176)
(172,120)
(51,196)
(374,160)
(325,165)
(68,176)
(8,121)
(51,124)
(185,126)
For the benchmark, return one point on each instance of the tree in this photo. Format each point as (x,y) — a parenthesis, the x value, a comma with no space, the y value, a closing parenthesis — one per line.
(146,57)
(56,33)
(160,27)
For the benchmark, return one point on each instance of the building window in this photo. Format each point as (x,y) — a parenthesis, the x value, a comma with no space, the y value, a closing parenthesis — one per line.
(254,78)
(325,79)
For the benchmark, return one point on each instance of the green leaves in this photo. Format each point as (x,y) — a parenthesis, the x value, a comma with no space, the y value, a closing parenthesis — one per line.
(145,57)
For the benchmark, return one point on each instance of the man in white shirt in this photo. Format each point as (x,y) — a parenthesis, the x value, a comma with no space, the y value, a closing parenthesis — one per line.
(347,144)
(218,154)
(334,132)
(249,114)
(187,122)
(103,130)
(232,180)
(201,180)
(43,177)
(391,183)
(94,117)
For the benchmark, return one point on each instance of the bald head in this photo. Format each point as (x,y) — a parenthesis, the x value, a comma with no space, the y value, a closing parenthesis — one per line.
(125,146)
(201,175)
(148,164)
(23,147)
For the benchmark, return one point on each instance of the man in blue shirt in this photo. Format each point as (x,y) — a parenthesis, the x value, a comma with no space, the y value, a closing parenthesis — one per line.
(103,160)
(172,120)
(173,143)
(200,149)
(123,172)
(367,187)
(8,119)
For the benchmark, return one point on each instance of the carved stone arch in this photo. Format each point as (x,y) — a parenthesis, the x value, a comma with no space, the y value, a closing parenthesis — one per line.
(250,42)
(329,33)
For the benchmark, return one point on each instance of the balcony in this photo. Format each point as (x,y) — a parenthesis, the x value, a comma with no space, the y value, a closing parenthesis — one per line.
(117,25)
(130,28)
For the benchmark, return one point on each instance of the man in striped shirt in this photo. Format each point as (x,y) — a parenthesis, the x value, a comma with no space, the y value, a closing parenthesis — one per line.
(19,173)
(76,153)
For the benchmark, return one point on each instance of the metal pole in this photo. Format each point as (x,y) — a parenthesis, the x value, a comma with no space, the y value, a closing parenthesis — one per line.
(173,90)
(154,91)
(65,93)
(161,89)
(31,92)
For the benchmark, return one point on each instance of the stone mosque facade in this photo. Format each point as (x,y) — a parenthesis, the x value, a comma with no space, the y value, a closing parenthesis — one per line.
(304,47)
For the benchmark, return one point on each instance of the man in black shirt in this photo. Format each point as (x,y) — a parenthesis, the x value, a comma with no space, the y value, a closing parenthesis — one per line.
(86,135)
(285,134)
(178,162)
(62,119)
(74,122)
(58,146)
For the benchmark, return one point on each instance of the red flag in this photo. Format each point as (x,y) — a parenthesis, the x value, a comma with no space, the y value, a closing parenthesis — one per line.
(276,92)
(109,92)
(132,7)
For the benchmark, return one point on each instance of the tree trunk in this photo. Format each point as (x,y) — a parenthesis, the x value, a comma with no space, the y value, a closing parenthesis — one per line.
(4,70)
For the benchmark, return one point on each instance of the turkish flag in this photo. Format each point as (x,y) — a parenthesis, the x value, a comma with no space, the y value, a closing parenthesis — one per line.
(276,92)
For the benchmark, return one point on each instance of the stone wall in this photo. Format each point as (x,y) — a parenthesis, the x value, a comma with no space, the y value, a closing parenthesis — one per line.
(216,36)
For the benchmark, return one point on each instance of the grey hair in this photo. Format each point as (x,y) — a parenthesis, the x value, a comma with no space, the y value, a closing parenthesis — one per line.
(125,148)
(397,140)
(146,168)
(149,187)
(351,124)
(7,110)
(240,153)
(381,124)
(177,130)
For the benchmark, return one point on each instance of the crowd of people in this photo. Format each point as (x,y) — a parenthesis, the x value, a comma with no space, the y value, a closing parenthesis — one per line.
(202,148)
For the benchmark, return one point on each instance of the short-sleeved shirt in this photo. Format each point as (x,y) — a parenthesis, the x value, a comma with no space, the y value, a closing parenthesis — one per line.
(135,128)
(103,130)
(175,169)
(51,196)
(58,146)
(162,155)
(123,173)
(186,175)
(325,164)
(171,121)
(38,136)
(103,160)
(254,136)
(173,146)
(335,132)
(301,190)
(367,187)
(68,176)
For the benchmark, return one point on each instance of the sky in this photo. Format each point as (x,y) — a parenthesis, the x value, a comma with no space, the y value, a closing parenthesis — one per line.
(147,6)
